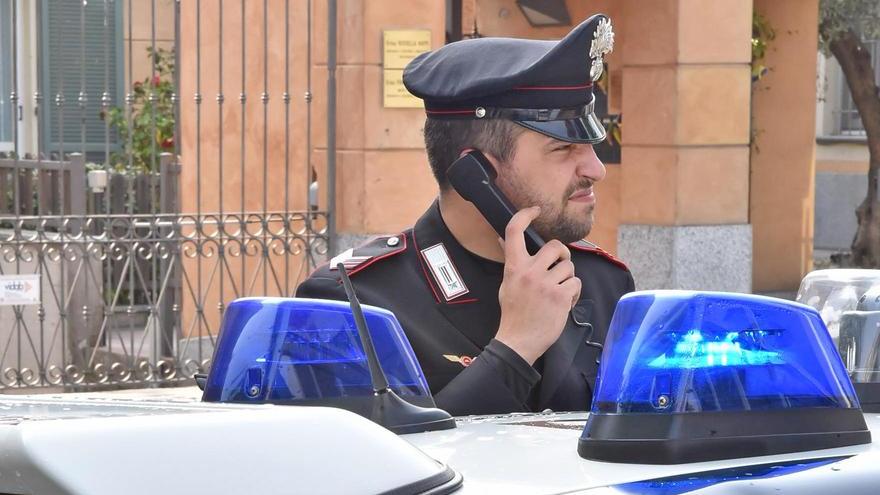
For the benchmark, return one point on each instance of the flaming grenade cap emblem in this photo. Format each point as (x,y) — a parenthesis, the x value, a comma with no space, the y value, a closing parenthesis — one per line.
(603,43)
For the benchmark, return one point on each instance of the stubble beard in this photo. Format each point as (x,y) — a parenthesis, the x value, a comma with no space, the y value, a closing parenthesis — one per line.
(553,222)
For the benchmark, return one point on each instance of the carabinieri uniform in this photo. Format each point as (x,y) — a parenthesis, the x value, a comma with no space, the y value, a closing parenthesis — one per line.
(412,274)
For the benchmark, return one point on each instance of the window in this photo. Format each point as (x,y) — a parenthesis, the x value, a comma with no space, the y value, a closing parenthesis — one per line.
(81,56)
(7,114)
(850,122)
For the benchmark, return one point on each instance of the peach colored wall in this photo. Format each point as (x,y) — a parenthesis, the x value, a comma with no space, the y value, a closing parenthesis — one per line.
(383,180)
(225,161)
(842,166)
(783,167)
(141,35)
(686,112)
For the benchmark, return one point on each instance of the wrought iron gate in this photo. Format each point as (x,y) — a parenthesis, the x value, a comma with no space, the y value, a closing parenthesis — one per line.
(157,161)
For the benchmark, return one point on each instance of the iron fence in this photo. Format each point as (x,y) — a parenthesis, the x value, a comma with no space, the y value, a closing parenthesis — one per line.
(138,204)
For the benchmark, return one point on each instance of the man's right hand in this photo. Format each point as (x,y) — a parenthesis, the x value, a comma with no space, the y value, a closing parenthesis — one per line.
(537,292)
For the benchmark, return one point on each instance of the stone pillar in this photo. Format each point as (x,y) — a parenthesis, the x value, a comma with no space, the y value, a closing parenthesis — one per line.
(783,158)
(685,167)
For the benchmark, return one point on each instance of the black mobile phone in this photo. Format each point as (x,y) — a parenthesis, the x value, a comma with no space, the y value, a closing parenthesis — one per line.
(473,177)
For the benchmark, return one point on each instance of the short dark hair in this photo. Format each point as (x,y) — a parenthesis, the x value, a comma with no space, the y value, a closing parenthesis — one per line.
(445,139)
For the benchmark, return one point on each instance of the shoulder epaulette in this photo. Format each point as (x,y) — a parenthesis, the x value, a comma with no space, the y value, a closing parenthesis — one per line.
(589,247)
(380,248)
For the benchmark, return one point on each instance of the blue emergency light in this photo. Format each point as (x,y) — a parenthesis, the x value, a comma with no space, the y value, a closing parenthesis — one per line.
(307,352)
(694,376)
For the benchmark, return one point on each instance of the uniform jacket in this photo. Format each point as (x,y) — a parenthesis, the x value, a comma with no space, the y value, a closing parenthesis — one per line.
(467,370)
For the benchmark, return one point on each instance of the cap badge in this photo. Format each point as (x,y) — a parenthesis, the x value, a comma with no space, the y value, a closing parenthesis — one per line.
(603,43)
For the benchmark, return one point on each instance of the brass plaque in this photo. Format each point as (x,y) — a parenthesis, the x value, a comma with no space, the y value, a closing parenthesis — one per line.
(395,94)
(401,46)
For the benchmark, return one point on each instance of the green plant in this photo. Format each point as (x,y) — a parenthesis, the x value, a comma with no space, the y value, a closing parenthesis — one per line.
(762,35)
(149,128)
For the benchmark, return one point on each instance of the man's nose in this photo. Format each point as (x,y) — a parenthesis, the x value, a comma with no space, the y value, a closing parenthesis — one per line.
(588,164)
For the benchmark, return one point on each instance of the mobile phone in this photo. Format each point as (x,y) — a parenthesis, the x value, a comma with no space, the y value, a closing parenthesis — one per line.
(473,177)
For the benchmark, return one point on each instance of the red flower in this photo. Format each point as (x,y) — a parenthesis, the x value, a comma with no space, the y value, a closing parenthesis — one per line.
(155,81)
(138,85)
(168,143)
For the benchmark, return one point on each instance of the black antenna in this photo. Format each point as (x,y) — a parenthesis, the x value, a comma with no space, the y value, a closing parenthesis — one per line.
(389,410)
(380,381)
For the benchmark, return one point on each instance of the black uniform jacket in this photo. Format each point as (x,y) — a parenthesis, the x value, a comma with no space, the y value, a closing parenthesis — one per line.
(467,370)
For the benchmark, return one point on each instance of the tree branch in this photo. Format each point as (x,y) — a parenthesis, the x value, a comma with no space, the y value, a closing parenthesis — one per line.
(855,61)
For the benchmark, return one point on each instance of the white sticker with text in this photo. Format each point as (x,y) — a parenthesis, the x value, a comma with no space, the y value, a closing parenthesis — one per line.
(19,289)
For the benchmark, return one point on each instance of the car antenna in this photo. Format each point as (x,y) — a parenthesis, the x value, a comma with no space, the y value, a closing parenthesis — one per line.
(389,410)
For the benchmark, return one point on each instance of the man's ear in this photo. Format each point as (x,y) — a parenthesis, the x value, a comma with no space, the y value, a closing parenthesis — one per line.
(489,156)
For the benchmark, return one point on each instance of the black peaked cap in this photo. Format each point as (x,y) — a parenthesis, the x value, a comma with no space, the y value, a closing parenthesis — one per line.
(543,85)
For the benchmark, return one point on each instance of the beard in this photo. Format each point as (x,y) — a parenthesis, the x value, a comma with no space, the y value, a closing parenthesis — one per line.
(554,222)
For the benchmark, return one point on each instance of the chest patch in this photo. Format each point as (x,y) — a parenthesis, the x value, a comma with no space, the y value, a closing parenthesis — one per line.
(444,271)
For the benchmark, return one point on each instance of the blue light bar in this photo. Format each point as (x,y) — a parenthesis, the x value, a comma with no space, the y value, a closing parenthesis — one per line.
(694,371)
(694,350)
(307,351)
(718,352)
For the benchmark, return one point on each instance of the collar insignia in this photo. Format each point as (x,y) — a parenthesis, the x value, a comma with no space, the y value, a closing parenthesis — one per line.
(603,43)
(444,271)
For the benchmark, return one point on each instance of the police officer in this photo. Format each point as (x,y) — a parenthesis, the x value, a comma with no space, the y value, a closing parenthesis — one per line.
(496,329)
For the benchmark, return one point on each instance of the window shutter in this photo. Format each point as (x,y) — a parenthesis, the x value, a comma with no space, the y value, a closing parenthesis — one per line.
(64,69)
(6,121)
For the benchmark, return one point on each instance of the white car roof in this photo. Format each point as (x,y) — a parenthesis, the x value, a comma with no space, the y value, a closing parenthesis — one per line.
(97,445)
(166,441)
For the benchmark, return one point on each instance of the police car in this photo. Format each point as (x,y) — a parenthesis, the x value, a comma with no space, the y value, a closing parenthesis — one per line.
(698,392)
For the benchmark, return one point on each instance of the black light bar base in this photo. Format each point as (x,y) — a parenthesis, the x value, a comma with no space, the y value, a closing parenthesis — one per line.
(869,396)
(695,437)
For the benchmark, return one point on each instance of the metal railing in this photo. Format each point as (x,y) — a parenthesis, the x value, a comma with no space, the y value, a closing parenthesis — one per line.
(142,210)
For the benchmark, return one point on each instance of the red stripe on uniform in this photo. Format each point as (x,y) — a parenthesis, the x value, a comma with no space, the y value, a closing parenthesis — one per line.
(601,252)
(553,88)
(392,253)
(463,301)
(450,111)
(422,264)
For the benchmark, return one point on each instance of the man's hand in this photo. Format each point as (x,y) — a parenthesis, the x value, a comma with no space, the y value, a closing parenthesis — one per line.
(537,292)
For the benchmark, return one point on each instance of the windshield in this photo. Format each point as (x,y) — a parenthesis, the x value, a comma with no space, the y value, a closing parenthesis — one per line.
(848,301)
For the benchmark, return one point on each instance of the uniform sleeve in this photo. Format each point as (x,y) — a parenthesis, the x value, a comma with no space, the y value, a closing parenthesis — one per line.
(630,283)
(321,288)
(498,381)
